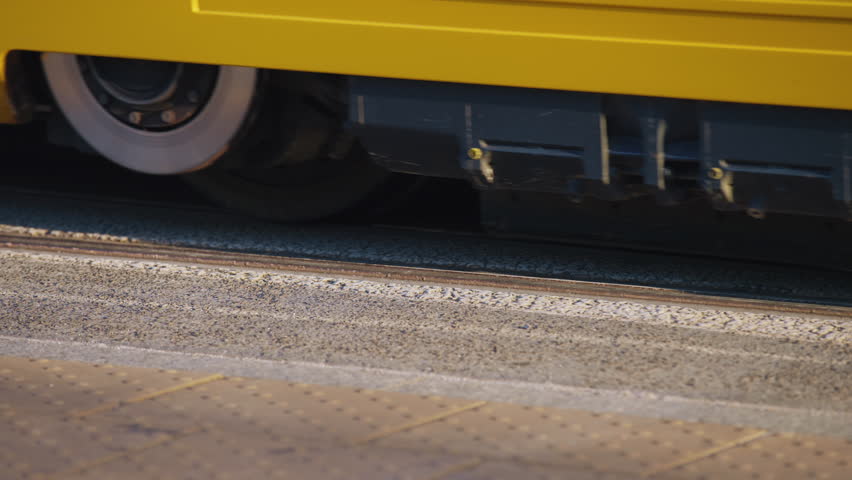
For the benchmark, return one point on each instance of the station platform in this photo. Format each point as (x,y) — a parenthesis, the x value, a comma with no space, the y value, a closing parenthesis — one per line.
(73,420)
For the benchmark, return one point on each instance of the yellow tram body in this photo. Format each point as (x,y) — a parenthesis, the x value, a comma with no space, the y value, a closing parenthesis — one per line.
(785,52)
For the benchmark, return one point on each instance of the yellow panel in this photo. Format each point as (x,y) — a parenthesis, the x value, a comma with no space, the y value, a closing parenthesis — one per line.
(841,9)
(560,21)
(790,52)
(802,8)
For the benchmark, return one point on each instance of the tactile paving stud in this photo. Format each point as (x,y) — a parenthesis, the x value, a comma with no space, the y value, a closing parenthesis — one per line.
(58,387)
(159,425)
(289,410)
(501,470)
(570,438)
(238,457)
(774,457)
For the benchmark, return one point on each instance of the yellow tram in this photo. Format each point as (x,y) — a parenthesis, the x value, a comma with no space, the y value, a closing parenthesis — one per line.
(743,101)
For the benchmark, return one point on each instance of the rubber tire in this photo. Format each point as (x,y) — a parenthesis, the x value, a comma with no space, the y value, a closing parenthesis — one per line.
(269,173)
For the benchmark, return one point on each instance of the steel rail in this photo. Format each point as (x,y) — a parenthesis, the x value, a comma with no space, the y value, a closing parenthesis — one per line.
(413,274)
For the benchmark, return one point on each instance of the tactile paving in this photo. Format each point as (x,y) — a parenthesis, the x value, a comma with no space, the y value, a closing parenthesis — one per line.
(68,420)
(775,457)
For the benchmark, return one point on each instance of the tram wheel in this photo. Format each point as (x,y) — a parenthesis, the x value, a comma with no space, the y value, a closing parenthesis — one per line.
(266,143)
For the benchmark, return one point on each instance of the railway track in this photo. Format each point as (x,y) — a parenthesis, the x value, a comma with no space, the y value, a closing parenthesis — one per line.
(481,260)
(837,307)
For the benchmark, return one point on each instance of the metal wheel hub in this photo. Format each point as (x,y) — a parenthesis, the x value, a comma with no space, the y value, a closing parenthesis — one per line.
(163,118)
(146,94)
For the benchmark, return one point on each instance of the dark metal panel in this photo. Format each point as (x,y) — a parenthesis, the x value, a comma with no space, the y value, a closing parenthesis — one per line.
(743,157)
(410,127)
(500,137)
(767,158)
(538,138)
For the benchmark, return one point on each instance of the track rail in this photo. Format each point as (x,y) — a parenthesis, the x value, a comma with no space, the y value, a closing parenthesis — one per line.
(504,281)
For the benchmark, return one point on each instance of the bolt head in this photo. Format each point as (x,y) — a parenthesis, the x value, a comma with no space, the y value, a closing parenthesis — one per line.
(716,173)
(135,118)
(475,153)
(168,116)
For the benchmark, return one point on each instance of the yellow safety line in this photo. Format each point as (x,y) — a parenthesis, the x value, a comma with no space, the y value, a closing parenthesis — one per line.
(704,454)
(418,422)
(453,469)
(147,396)
(162,440)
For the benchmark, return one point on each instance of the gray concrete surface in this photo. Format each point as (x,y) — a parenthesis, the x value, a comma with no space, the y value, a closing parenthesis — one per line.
(784,372)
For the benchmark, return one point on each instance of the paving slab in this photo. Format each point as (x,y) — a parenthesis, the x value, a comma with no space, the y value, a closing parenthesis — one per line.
(145,423)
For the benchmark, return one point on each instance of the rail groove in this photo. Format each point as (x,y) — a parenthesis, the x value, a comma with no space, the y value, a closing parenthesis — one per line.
(476,279)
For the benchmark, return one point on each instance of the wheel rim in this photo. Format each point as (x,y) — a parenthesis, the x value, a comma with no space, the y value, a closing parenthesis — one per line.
(179,118)
(149,95)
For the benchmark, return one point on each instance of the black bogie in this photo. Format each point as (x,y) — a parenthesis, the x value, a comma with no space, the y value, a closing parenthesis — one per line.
(753,158)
